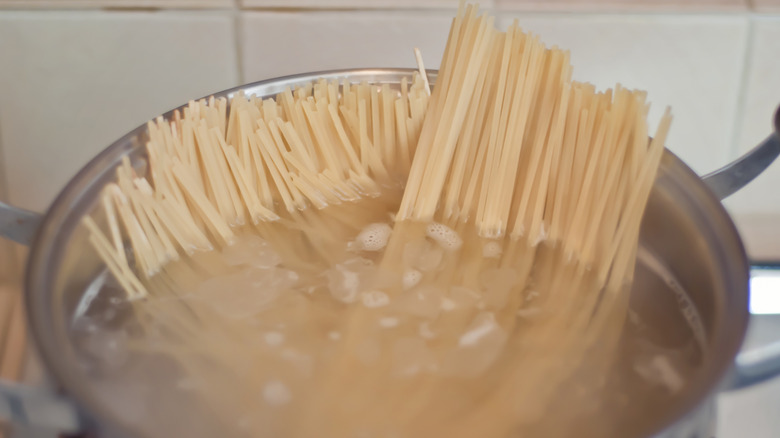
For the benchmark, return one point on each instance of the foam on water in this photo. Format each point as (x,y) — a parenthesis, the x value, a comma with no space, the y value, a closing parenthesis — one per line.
(445,236)
(374,237)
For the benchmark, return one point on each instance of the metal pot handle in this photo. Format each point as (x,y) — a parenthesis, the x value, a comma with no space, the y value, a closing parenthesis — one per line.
(37,411)
(732,177)
(755,366)
(18,224)
(34,411)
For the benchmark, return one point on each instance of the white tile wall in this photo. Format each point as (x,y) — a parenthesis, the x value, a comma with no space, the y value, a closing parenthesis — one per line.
(692,63)
(280,43)
(78,4)
(756,208)
(623,5)
(772,6)
(361,4)
(95,60)
(72,82)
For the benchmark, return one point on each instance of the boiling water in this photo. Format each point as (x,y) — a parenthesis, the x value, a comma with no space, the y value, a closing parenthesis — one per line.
(327,326)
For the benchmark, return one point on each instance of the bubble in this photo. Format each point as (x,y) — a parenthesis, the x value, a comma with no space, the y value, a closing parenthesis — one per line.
(302,362)
(529,312)
(499,284)
(423,301)
(276,393)
(345,289)
(368,351)
(388,322)
(541,237)
(186,384)
(425,330)
(245,293)
(633,317)
(251,250)
(491,250)
(482,326)
(345,279)
(411,278)
(422,255)
(478,347)
(274,338)
(447,304)
(659,370)
(334,335)
(445,236)
(375,298)
(374,237)
(463,296)
(410,356)
(109,345)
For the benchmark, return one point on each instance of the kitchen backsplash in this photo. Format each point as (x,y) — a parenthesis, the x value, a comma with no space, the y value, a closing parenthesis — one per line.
(76,75)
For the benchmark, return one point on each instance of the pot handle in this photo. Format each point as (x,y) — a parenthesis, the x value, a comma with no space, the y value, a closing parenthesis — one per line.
(732,177)
(18,224)
(32,411)
(755,366)
(36,411)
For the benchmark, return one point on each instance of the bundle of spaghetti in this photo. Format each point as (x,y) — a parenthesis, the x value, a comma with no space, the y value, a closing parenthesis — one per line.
(554,177)
(501,278)
(211,169)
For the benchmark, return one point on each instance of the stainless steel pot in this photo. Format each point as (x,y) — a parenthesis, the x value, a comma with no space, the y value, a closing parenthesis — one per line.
(689,243)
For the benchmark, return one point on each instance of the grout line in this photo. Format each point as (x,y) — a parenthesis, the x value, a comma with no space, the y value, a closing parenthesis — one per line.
(742,94)
(238,43)
(494,9)
(3,170)
(8,253)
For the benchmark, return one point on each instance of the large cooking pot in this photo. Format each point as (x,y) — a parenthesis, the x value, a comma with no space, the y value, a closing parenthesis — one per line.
(689,245)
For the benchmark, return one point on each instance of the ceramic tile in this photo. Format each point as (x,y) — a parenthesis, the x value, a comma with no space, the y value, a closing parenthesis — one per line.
(359,4)
(73,82)
(756,208)
(110,4)
(280,43)
(691,63)
(623,5)
(766,5)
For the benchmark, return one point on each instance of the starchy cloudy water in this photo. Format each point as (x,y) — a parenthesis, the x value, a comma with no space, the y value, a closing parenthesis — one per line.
(248,339)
